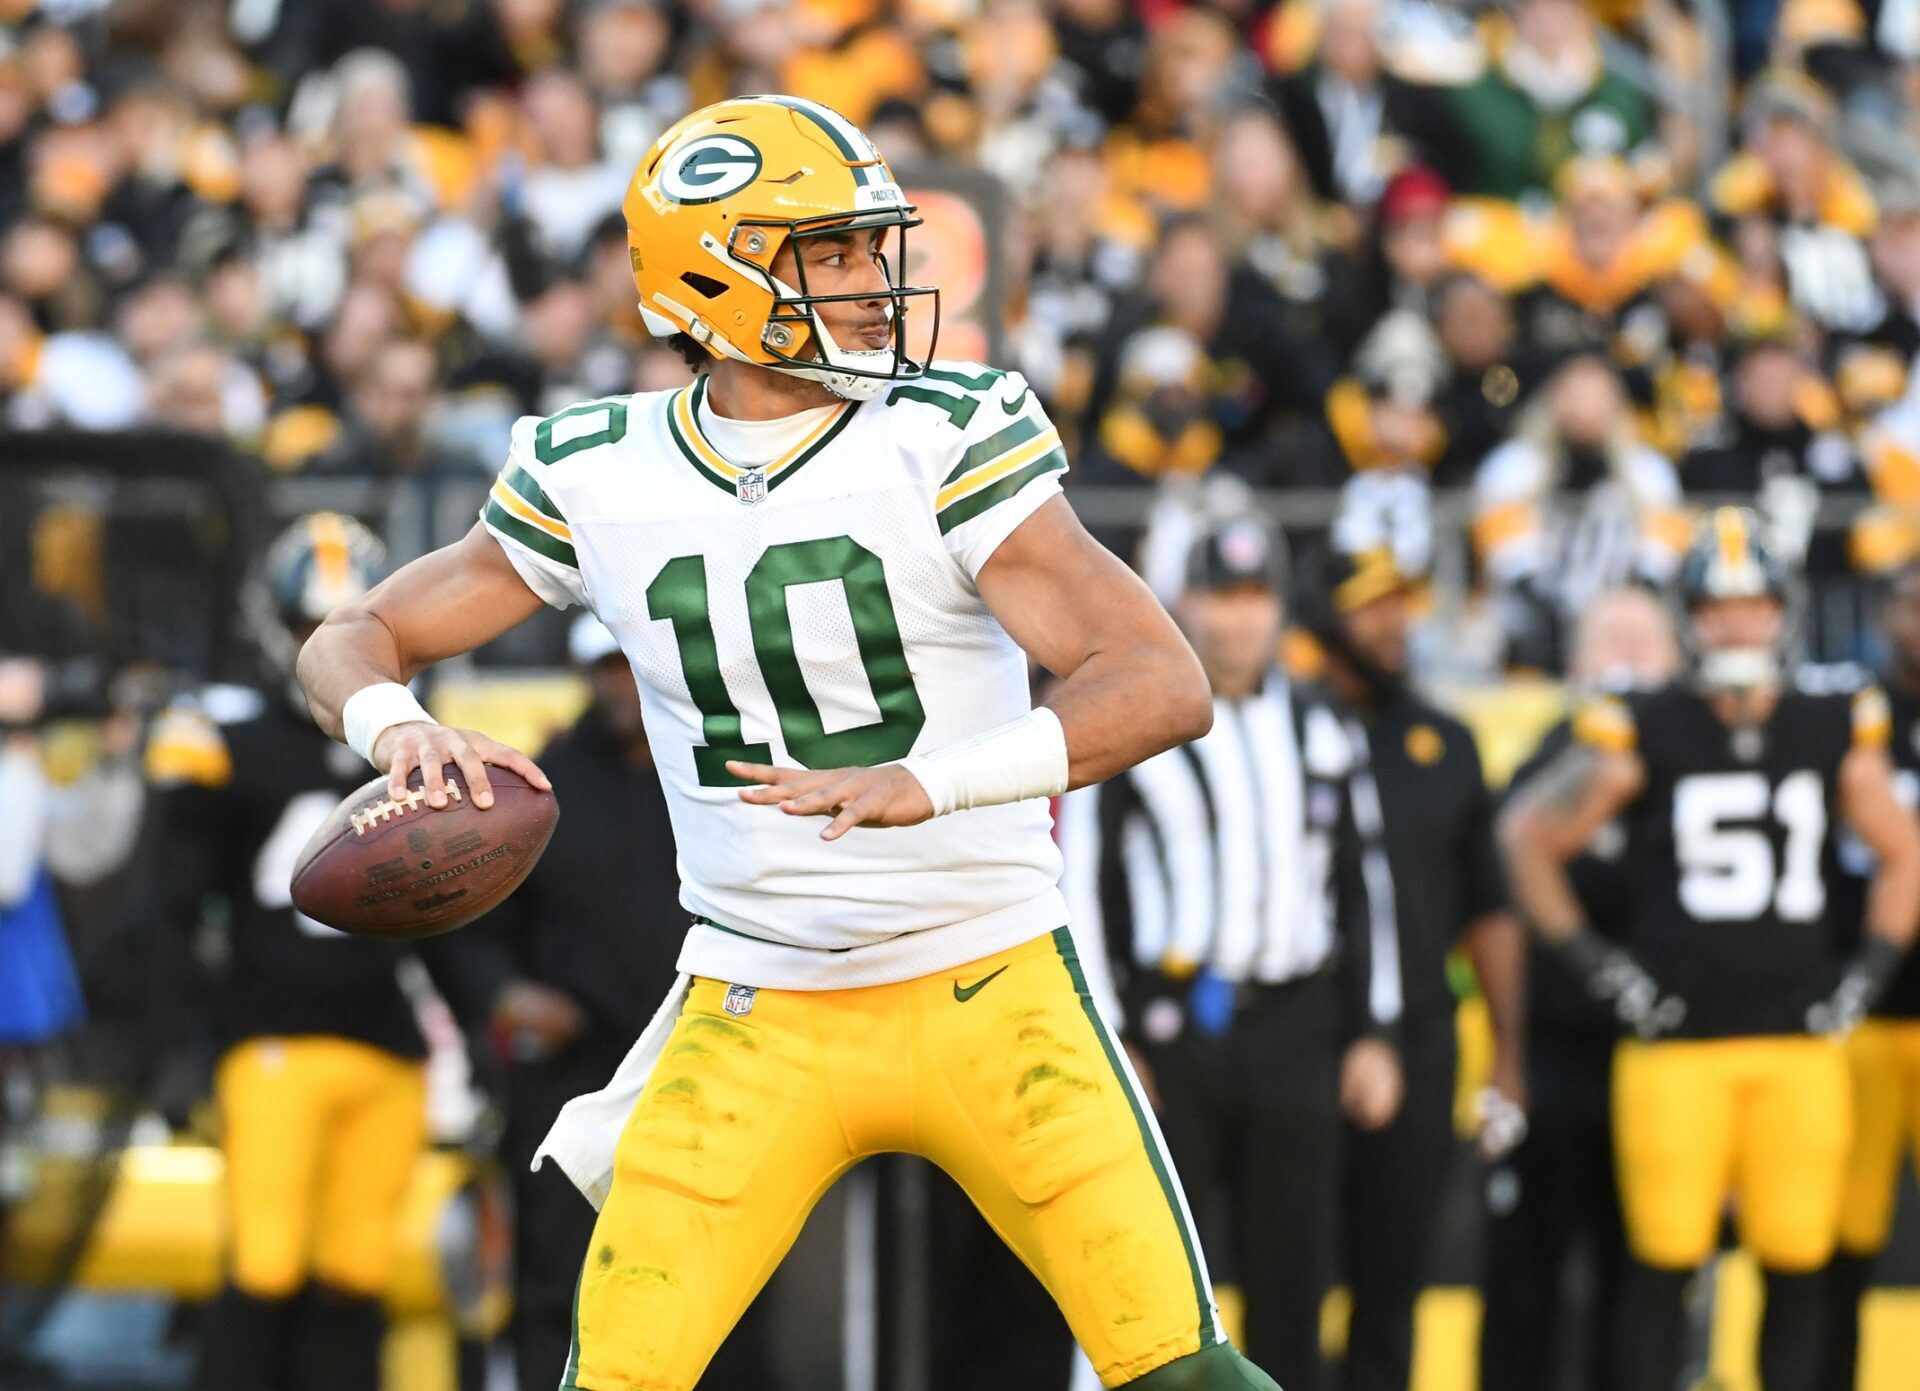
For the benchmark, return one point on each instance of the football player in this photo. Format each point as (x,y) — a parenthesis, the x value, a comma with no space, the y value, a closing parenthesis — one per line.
(828,562)
(1885,1051)
(320,1084)
(1732,786)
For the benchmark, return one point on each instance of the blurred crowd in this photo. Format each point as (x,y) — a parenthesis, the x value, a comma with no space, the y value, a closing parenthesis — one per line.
(1582,261)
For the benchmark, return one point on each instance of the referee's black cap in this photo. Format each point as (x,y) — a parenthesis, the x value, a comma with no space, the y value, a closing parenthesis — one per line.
(1235,551)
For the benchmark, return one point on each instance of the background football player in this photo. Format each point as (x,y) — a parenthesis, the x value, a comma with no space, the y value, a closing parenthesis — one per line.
(824,560)
(1885,1051)
(1731,785)
(320,1085)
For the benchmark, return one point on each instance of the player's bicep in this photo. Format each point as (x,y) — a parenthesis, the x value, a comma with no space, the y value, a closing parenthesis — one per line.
(450,601)
(1063,596)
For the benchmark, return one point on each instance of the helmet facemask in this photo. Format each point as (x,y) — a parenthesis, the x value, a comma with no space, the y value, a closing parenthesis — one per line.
(858,374)
(1742,668)
(1732,557)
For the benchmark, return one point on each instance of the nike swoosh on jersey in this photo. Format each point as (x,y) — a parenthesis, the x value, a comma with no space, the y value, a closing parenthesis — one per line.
(1012,407)
(965,993)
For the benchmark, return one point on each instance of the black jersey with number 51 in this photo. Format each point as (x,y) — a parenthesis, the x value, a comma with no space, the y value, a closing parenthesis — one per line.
(1732,849)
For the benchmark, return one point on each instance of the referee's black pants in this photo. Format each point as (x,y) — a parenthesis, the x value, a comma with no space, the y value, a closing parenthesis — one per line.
(1398,1177)
(1252,1116)
(1554,1203)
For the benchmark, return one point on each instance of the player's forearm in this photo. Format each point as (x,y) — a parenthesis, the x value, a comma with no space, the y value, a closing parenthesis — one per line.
(1124,704)
(446,602)
(1893,900)
(354,648)
(1542,892)
(1496,944)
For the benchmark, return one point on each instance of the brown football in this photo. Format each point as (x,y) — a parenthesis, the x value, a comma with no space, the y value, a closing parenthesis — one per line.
(399,869)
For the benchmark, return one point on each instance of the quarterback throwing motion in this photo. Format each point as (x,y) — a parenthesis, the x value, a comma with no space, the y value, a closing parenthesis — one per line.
(828,564)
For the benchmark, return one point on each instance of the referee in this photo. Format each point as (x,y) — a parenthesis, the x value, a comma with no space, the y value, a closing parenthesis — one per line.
(1247,909)
(1451,891)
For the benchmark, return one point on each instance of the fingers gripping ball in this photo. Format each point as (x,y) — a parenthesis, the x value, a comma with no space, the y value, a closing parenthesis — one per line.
(396,867)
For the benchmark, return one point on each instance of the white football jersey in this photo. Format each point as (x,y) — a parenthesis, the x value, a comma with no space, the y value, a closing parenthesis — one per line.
(818,611)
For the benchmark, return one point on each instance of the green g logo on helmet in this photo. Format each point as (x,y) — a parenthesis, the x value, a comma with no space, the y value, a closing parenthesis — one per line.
(708,169)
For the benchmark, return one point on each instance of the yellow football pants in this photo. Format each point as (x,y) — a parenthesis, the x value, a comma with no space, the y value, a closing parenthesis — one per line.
(1765,1120)
(1885,1059)
(320,1136)
(1000,1072)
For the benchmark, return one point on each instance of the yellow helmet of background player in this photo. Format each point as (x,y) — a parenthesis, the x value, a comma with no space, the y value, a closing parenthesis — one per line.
(717,198)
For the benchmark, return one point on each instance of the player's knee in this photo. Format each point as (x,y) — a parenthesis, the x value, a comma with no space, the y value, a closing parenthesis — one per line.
(1796,1236)
(363,1269)
(1797,1252)
(269,1272)
(1866,1220)
(1218,1368)
(1672,1244)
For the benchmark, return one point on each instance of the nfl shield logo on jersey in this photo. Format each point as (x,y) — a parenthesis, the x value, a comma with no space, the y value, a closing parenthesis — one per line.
(740,998)
(751,486)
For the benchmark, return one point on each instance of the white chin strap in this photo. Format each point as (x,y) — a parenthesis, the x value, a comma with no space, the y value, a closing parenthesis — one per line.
(1739,668)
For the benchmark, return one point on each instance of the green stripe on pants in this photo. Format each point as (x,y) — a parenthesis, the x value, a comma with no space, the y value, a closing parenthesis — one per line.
(1149,1136)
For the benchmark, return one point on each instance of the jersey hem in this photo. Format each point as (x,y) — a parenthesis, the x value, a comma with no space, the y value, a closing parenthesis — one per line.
(731,955)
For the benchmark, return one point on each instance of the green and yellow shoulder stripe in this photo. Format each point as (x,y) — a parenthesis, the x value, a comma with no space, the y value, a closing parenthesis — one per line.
(994,469)
(1006,439)
(520,510)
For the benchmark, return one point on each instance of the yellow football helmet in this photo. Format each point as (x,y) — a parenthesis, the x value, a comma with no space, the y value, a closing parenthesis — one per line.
(718,196)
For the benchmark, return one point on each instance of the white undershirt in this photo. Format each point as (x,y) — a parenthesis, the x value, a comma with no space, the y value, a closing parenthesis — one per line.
(752,442)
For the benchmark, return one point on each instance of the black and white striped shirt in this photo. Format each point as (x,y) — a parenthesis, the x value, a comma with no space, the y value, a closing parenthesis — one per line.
(1254,852)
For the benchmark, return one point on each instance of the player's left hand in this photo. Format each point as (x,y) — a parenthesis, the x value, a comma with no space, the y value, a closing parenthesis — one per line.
(885,796)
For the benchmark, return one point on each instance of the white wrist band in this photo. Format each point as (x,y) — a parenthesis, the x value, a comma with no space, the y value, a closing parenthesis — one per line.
(372,710)
(1022,758)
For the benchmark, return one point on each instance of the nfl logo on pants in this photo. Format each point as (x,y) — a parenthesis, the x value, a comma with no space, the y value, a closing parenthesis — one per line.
(740,998)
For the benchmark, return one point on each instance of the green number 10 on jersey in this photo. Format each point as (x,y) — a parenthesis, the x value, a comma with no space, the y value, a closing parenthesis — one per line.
(678,595)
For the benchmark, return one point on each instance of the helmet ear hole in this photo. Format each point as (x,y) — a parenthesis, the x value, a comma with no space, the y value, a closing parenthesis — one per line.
(706,285)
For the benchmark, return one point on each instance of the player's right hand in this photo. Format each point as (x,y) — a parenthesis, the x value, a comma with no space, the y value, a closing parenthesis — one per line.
(431,747)
(1638,1000)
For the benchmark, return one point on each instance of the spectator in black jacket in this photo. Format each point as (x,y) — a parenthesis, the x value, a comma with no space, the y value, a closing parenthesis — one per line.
(1353,122)
(1780,431)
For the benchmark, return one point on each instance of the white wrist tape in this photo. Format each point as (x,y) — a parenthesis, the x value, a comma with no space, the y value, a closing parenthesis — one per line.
(1022,758)
(372,710)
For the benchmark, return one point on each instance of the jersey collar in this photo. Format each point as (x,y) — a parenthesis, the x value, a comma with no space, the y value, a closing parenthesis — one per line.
(683,422)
